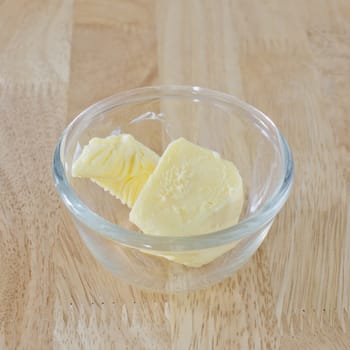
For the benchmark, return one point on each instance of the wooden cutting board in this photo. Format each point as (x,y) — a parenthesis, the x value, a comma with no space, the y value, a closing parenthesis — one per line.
(289,58)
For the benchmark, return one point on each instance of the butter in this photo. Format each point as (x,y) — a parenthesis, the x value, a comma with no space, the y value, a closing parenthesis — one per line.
(192,191)
(118,163)
(193,258)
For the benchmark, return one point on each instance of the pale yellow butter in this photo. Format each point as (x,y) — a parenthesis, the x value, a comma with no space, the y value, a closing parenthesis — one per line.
(192,191)
(193,258)
(118,163)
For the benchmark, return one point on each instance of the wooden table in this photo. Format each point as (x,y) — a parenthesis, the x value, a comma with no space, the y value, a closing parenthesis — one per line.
(289,58)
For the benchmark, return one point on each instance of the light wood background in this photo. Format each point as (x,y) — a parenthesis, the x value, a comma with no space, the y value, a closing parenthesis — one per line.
(289,58)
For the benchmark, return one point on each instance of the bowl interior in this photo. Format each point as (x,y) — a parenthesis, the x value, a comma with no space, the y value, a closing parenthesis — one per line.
(238,133)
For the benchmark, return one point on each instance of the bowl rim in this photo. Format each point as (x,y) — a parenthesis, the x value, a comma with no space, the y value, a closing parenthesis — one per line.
(244,228)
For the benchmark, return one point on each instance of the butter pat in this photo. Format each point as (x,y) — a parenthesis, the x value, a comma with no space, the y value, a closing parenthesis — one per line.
(117,163)
(192,191)
(194,258)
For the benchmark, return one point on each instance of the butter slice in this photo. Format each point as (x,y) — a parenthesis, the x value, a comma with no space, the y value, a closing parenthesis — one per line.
(118,163)
(194,258)
(192,191)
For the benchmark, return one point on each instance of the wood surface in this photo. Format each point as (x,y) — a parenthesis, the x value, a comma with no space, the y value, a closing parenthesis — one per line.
(289,58)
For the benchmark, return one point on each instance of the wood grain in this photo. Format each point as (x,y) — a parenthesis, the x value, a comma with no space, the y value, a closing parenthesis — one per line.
(34,70)
(291,60)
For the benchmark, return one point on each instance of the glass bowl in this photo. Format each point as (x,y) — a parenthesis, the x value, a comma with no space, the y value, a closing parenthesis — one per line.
(155,116)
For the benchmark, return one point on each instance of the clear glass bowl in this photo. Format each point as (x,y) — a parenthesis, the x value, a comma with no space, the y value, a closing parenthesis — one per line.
(155,116)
